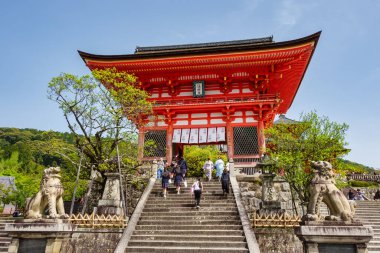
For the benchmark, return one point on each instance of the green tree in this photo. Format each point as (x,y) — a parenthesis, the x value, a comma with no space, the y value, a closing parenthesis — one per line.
(293,146)
(102,112)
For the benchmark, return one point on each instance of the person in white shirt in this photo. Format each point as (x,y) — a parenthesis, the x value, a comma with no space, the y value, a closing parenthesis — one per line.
(219,166)
(207,167)
(197,189)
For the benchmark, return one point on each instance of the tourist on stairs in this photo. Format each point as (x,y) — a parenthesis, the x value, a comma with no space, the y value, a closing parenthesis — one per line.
(183,166)
(197,189)
(207,167)
(160,167)
(165,181)
(225,179)
(219,166)
(178,179)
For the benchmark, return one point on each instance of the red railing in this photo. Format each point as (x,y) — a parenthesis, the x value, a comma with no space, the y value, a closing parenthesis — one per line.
(213,100)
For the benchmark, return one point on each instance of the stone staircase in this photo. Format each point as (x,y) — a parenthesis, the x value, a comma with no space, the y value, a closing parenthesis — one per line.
(4,239)
(175,225)
(368,212)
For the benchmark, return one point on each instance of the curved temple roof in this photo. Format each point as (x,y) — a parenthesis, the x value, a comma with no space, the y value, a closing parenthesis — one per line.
(284,63)
(201,48)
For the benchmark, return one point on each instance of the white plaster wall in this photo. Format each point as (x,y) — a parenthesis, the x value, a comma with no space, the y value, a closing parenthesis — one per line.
(199,115)
(161,123)
(216,114)
(238,120)
(199,122)
(217,121)
(181,123)
(250,120)
(213,92)
(182,116)
(185,94)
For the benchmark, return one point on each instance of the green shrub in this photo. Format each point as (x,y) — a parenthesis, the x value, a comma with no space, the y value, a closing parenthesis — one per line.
(196,156)
(355,183)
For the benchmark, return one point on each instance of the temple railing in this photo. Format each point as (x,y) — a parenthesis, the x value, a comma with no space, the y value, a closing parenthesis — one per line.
(213,100)
(364,177)
(98,221)
(275,220)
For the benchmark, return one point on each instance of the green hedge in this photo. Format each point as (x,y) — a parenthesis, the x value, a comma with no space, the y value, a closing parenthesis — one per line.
(355,183)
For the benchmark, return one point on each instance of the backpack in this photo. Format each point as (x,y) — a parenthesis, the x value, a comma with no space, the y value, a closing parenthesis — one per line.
(165,174)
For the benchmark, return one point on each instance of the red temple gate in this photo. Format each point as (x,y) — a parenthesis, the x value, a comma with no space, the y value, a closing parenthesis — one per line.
(215,93)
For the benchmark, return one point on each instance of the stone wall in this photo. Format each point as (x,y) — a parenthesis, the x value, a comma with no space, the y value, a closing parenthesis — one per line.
(278,240)
(104,241)
(251,192)
(269,239)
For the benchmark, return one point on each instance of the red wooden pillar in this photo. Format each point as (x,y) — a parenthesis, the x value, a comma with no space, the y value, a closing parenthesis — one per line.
(261,137)
(230,139)
(141,140)
(169,143)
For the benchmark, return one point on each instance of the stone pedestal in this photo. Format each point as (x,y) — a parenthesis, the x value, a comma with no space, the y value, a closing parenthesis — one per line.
(269,203)
(44,235)
(110,202)
(334,237)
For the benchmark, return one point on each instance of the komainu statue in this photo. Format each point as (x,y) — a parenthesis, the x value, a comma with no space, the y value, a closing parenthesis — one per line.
(49,196)
(323,189)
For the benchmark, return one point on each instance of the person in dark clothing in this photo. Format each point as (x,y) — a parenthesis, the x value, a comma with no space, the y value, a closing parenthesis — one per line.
(165,181)
(183,167)
(178,179)
(197,189)
(225,179)
(377,195)
(351,195)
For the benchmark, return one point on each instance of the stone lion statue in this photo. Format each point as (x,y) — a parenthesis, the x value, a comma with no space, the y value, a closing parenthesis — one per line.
(49,196)
(323,189)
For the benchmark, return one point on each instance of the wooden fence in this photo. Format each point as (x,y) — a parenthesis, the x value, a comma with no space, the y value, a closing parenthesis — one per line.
(275,220)
(98,221)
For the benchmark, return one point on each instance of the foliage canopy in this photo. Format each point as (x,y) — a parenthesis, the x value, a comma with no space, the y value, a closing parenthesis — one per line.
(294,146)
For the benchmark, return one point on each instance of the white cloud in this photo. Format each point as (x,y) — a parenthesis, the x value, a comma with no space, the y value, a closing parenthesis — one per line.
(289,13)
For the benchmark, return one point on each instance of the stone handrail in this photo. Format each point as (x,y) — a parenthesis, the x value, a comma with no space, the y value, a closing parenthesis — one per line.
(250,237)
(364,177)
(120,248)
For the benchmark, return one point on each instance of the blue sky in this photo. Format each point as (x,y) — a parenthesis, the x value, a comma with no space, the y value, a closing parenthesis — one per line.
(40,39)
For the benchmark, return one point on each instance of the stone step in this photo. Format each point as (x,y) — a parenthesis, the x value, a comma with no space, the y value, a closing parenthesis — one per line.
(190,204)
(189,222)
(172,186)
(177,243)
(183,197)
(190,233)
(189,227)
(206,193)
(5,243)
(192,237)
(365,214)
(370,221)
(194,217)
(198,213)
(184,209)
(195,249)
(186,201)
(373,226)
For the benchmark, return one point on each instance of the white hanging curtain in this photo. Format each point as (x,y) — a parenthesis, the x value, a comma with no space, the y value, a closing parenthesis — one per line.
(185,135)
(194,135)
(220,134)
(176,136)
(211,136)
(203,135)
